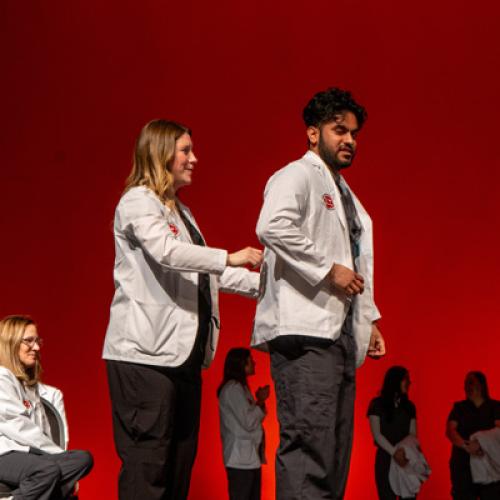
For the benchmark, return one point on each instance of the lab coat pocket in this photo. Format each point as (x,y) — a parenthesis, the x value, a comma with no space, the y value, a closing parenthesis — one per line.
(246,451)
(158,284)
(154,326)
(304,308)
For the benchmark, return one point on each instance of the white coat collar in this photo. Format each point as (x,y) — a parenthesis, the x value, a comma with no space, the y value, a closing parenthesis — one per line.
(313,158)
(323,169)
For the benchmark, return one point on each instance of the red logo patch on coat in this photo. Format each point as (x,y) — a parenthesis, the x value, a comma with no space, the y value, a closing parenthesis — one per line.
(27,404)
(328,201)
(174,229)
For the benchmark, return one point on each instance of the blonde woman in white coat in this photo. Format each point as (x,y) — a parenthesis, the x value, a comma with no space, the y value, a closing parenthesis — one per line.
(241,430)
(30,461)
(164,317)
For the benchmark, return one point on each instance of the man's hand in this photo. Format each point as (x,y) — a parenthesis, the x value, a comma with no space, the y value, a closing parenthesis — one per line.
(346,280)
(376,349)
(400,457)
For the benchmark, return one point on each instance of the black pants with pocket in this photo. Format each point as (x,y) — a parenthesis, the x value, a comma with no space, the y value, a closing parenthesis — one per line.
(156,419)
(315,389)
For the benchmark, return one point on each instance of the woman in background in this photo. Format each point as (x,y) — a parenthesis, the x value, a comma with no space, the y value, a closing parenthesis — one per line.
(241,430)
(478,412)
(30,461)
(392,417)
(164,317)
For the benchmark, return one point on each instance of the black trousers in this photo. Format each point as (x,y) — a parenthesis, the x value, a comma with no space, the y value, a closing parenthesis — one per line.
(42,476)
(462,487)
(382,467)
(156,419)
(244,484)
(315,389)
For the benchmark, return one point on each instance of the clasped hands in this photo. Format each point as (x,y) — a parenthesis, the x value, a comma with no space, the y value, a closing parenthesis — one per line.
(400,457)
(473,447)
(261,394)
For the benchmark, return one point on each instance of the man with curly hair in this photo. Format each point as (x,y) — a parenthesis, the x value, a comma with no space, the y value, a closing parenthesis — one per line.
(316,314)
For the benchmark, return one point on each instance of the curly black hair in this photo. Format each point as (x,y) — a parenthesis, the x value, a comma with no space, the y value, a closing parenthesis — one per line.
(326,105)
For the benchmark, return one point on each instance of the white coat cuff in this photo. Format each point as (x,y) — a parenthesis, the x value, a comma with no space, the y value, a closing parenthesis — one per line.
(220,261)
(376,315)
(325,272)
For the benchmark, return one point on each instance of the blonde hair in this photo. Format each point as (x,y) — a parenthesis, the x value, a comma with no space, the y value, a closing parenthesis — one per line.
(153,156)
(11,335)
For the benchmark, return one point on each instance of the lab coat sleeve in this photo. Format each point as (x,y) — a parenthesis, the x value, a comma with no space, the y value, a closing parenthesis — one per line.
(375,313)
(241,281)
(15,423)
(379,437)
(248,414)
(279,225)
(144,224)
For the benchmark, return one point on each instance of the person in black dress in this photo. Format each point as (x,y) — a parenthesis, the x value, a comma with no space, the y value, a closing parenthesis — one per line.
(392,417)
(478,412)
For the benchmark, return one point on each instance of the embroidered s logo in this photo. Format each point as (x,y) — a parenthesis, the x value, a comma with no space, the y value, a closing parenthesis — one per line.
(174,229)
(328,201)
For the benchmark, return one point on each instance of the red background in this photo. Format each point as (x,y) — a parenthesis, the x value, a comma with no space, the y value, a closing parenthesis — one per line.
(80,78)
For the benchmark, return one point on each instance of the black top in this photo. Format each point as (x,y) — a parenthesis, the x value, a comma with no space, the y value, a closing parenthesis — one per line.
(355,229)
(471,418)
(352,217)
(204,302)
(395,425)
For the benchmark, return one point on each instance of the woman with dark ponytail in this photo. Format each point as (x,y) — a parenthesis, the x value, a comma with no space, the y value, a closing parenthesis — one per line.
(392,418)
(241,430)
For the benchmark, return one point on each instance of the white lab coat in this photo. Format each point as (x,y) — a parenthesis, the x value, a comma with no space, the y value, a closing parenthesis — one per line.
(486,468)
(304,236)
(240,426)
(20,423)
(406,481)
(154,313)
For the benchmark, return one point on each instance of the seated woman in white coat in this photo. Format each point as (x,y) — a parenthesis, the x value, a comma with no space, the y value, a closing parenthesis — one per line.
(241,430)
(164,318)
(30,461)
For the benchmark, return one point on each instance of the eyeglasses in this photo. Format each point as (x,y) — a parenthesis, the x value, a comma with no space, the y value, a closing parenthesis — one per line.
(31,341)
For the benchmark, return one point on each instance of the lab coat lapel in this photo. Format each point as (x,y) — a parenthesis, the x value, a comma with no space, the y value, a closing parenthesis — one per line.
(189,216)
(330,186)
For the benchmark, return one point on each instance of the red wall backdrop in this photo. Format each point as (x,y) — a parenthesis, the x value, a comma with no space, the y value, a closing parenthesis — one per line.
(80,78)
